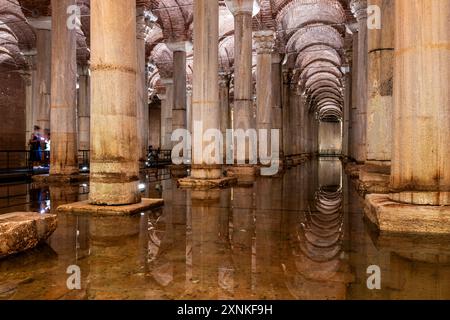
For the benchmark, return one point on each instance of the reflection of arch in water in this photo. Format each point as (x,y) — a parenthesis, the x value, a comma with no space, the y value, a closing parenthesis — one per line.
(321,235)
(319,269)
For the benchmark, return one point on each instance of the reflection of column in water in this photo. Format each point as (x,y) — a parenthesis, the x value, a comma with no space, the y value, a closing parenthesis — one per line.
(114,248)
(226,268)
(166,245)
(242,237)
(268,219)
(206,247)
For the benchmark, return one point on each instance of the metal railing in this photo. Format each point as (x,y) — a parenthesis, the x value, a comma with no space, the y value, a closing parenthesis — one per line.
(158,158)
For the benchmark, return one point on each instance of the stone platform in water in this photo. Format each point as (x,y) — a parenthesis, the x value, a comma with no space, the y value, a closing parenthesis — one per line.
(84,207)
(395,217)
(21,231)
(207,184)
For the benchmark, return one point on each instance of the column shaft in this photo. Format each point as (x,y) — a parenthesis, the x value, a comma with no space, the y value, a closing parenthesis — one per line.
(114,152)
(64,149)
(179,86)
(141,85)
(84,109)
(42,88)
(205,100)
(380,73)
(359,8)
(421,123)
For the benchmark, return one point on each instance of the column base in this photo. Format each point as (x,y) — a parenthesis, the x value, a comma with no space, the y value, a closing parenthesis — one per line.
(84,207)
(60,179)
(178,171)
(395,217)
(21,231)
(206,184)
(373,179)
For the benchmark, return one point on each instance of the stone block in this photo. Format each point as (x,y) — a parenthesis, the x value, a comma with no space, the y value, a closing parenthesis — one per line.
(395,217)
(21,231)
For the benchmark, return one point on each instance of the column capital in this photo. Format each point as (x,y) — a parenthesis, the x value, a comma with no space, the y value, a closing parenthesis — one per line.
(180,46)
(144,22)
(243,6)
(359,9)
(264,41)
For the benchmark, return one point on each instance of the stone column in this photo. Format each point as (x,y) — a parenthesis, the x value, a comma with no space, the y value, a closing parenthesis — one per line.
(421,127)
(141,84)
(243,88)
(29,77)
(42,89)
(189,107)
(84,108)
(265,42)
(354,98)
(287,117)
(64,149)
(114,152)
(224,98)
(179,118)
(380,78)
(277,112)
(347,120)
(295,120)
(359,9)
(205,100)
(166,114)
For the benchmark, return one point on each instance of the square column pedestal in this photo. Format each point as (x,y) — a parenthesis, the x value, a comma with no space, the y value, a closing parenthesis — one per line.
(84,207)
(396,217)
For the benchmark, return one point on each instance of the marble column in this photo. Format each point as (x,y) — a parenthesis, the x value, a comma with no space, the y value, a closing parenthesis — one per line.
(29,77)
(265,43)
(277,112)
(84,108)
(224,98)
(295,133)
(205,100)
(359,9)
(179,118)
(347,120)
(189,107)
(243,87)
(380,78)
(354,98)
(141,84)
(64,149)
(166,113)
(421,127)
(114,152)
(287,117)
(42,89)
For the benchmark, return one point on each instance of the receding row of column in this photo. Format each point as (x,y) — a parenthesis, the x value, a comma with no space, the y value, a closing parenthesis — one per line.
(400,100)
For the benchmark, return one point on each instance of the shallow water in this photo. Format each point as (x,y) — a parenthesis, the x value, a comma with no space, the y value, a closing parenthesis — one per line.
(298,236)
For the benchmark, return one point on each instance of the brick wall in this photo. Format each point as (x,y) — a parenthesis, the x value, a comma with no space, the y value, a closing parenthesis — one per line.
(12,115)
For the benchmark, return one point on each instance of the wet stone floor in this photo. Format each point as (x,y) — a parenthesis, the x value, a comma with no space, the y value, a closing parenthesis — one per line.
(298,236)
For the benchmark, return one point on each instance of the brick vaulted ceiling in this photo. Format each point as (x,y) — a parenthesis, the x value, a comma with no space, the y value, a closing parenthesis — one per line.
(311,36)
